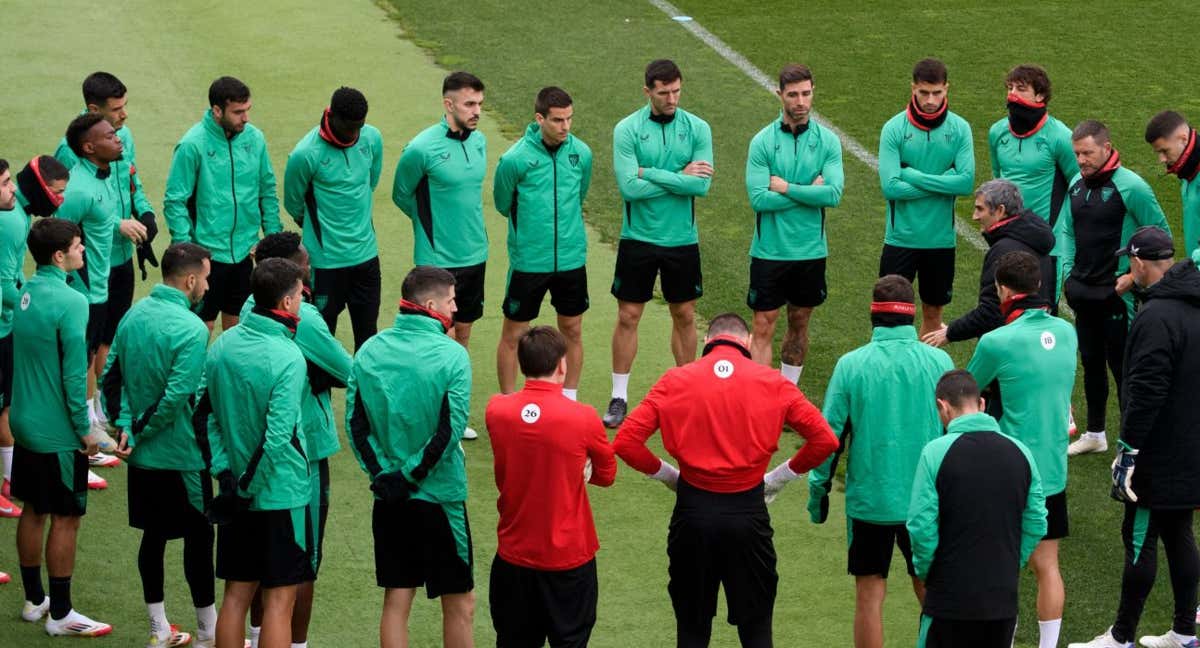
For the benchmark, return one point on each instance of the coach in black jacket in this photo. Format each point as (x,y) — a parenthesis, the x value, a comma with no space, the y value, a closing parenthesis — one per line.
(1007,227)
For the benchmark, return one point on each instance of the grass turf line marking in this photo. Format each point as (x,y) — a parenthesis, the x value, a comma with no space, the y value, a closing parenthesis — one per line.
(758,76)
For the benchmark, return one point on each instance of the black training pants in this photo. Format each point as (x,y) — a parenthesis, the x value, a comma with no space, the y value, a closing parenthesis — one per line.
(1141,531)
(1102,328)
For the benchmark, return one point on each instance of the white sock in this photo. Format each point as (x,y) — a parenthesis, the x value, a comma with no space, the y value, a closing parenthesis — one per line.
(6,455)
(158,619)
(302,644)
(91,405)
(573,394)
(1101,435)
(206,621)
(791,372)
(254,631)
(1048,633)
(620,386)
(99,408)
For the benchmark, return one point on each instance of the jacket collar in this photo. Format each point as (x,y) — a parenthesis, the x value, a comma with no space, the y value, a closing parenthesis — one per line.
(533,134)
(462,135)
(541,386)
(170,294)
(977,422)
(52,271)
(215,129)
(266,326)
(882,333)
(800,129)
(92,169)
(415,322)
(725,345)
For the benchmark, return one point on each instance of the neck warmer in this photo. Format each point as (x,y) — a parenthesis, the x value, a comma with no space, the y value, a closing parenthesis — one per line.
(461,135)
(1015,306)
(411,308)
(1025,117)
(281,316)
(797,132)
(891,314)
(42,201)
(923,120)
(725,340)
(1188,164)
(1101,177)
(328,135)
(662,119)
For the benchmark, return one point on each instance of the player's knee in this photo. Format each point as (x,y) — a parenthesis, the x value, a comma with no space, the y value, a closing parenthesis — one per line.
(683,315)
(628,317)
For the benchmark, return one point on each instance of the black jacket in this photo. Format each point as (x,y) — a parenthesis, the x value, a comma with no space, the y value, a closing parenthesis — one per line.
(1160,417)
(1026,232)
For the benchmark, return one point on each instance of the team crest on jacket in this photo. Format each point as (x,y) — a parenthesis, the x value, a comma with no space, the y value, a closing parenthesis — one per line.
(531,413)
(723,369)
(1048,340)
(25,301)
(574,159)
(1106,193)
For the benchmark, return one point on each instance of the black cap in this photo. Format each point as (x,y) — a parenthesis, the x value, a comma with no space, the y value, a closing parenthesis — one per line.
(1149,243)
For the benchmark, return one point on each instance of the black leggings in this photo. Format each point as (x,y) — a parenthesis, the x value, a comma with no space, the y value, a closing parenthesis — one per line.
(197,565)
(1101,328)
(1141,531)
(751,635)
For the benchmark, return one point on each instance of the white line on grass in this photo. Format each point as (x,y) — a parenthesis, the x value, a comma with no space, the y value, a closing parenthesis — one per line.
(758,76)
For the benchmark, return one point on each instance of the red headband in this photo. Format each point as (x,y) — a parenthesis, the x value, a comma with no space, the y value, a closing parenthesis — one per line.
(897,308)
(55,199)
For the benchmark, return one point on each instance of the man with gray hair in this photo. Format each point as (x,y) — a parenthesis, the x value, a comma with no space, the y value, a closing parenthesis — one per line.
(1008,227)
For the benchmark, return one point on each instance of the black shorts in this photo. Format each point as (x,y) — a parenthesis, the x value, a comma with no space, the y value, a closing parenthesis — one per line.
(169,502)
(421,543)
(268,547)
(120,298)
(97,322)
(871,548)
(531,606)
(932,270)
(318,511)
(774,283)
(526,290)
(335,288)
(1057,525)
(720,539)
(954,633)
(468,292)
(6,370)
(228,289)
(52,483)
(638,263)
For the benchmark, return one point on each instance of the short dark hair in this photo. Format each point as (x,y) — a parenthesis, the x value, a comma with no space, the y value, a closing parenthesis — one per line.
(1093,129)
(539,351)
(226,90)
(182,259)
(99,87)
(930,70)
(663,71)
(459,80)
(1033,76)
(794,73)
(348,104)
(77,132)
(893,288)
(3,165)
(272,280)
(280,245)
(51,169)
(551,97)
(1020,271)
(728,324)
(50,235)
(957,387)
(423,280)
(1163,124)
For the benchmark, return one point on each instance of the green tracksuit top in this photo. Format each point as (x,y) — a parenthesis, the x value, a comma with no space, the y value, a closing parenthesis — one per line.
(127,176)
(49,406)
(329,191)
(322,351)
(95,200)
(1032,359)
(660,206)
(1190,192)
(14,229)
(541,193)
(221,191)
(880,403)
(155,368)
(407,403)
(254,384)
(1039,164)
(439,185)
(921,173)
(791,226)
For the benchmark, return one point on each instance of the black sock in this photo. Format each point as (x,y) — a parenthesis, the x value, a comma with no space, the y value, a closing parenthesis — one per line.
(60,597)
(31,578)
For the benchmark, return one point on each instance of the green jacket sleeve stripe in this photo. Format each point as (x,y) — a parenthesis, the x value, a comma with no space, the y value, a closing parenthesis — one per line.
(360,436)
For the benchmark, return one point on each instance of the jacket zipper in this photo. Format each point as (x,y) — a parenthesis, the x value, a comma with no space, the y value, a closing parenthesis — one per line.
(233,193)
(463,143)
(554,168)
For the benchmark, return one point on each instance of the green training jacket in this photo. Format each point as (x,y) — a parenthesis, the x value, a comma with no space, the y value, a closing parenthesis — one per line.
(660,206)
(127,176)
(880,404)
(49,406)
(221,191)
(155,368)
(254,384)
(921,173)
(541,193)
(407,403)
(1032,361)
(14,229)
(791,226)
(439,185)
(328,365)
(95,200)
(1039,164)
(1189,190)
(329,192)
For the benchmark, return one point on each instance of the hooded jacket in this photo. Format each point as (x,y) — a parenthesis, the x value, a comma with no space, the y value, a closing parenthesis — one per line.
(1159,414)
(1026,232)
(14,230)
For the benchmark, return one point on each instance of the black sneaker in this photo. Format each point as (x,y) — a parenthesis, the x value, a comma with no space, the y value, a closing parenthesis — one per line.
(616,413)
